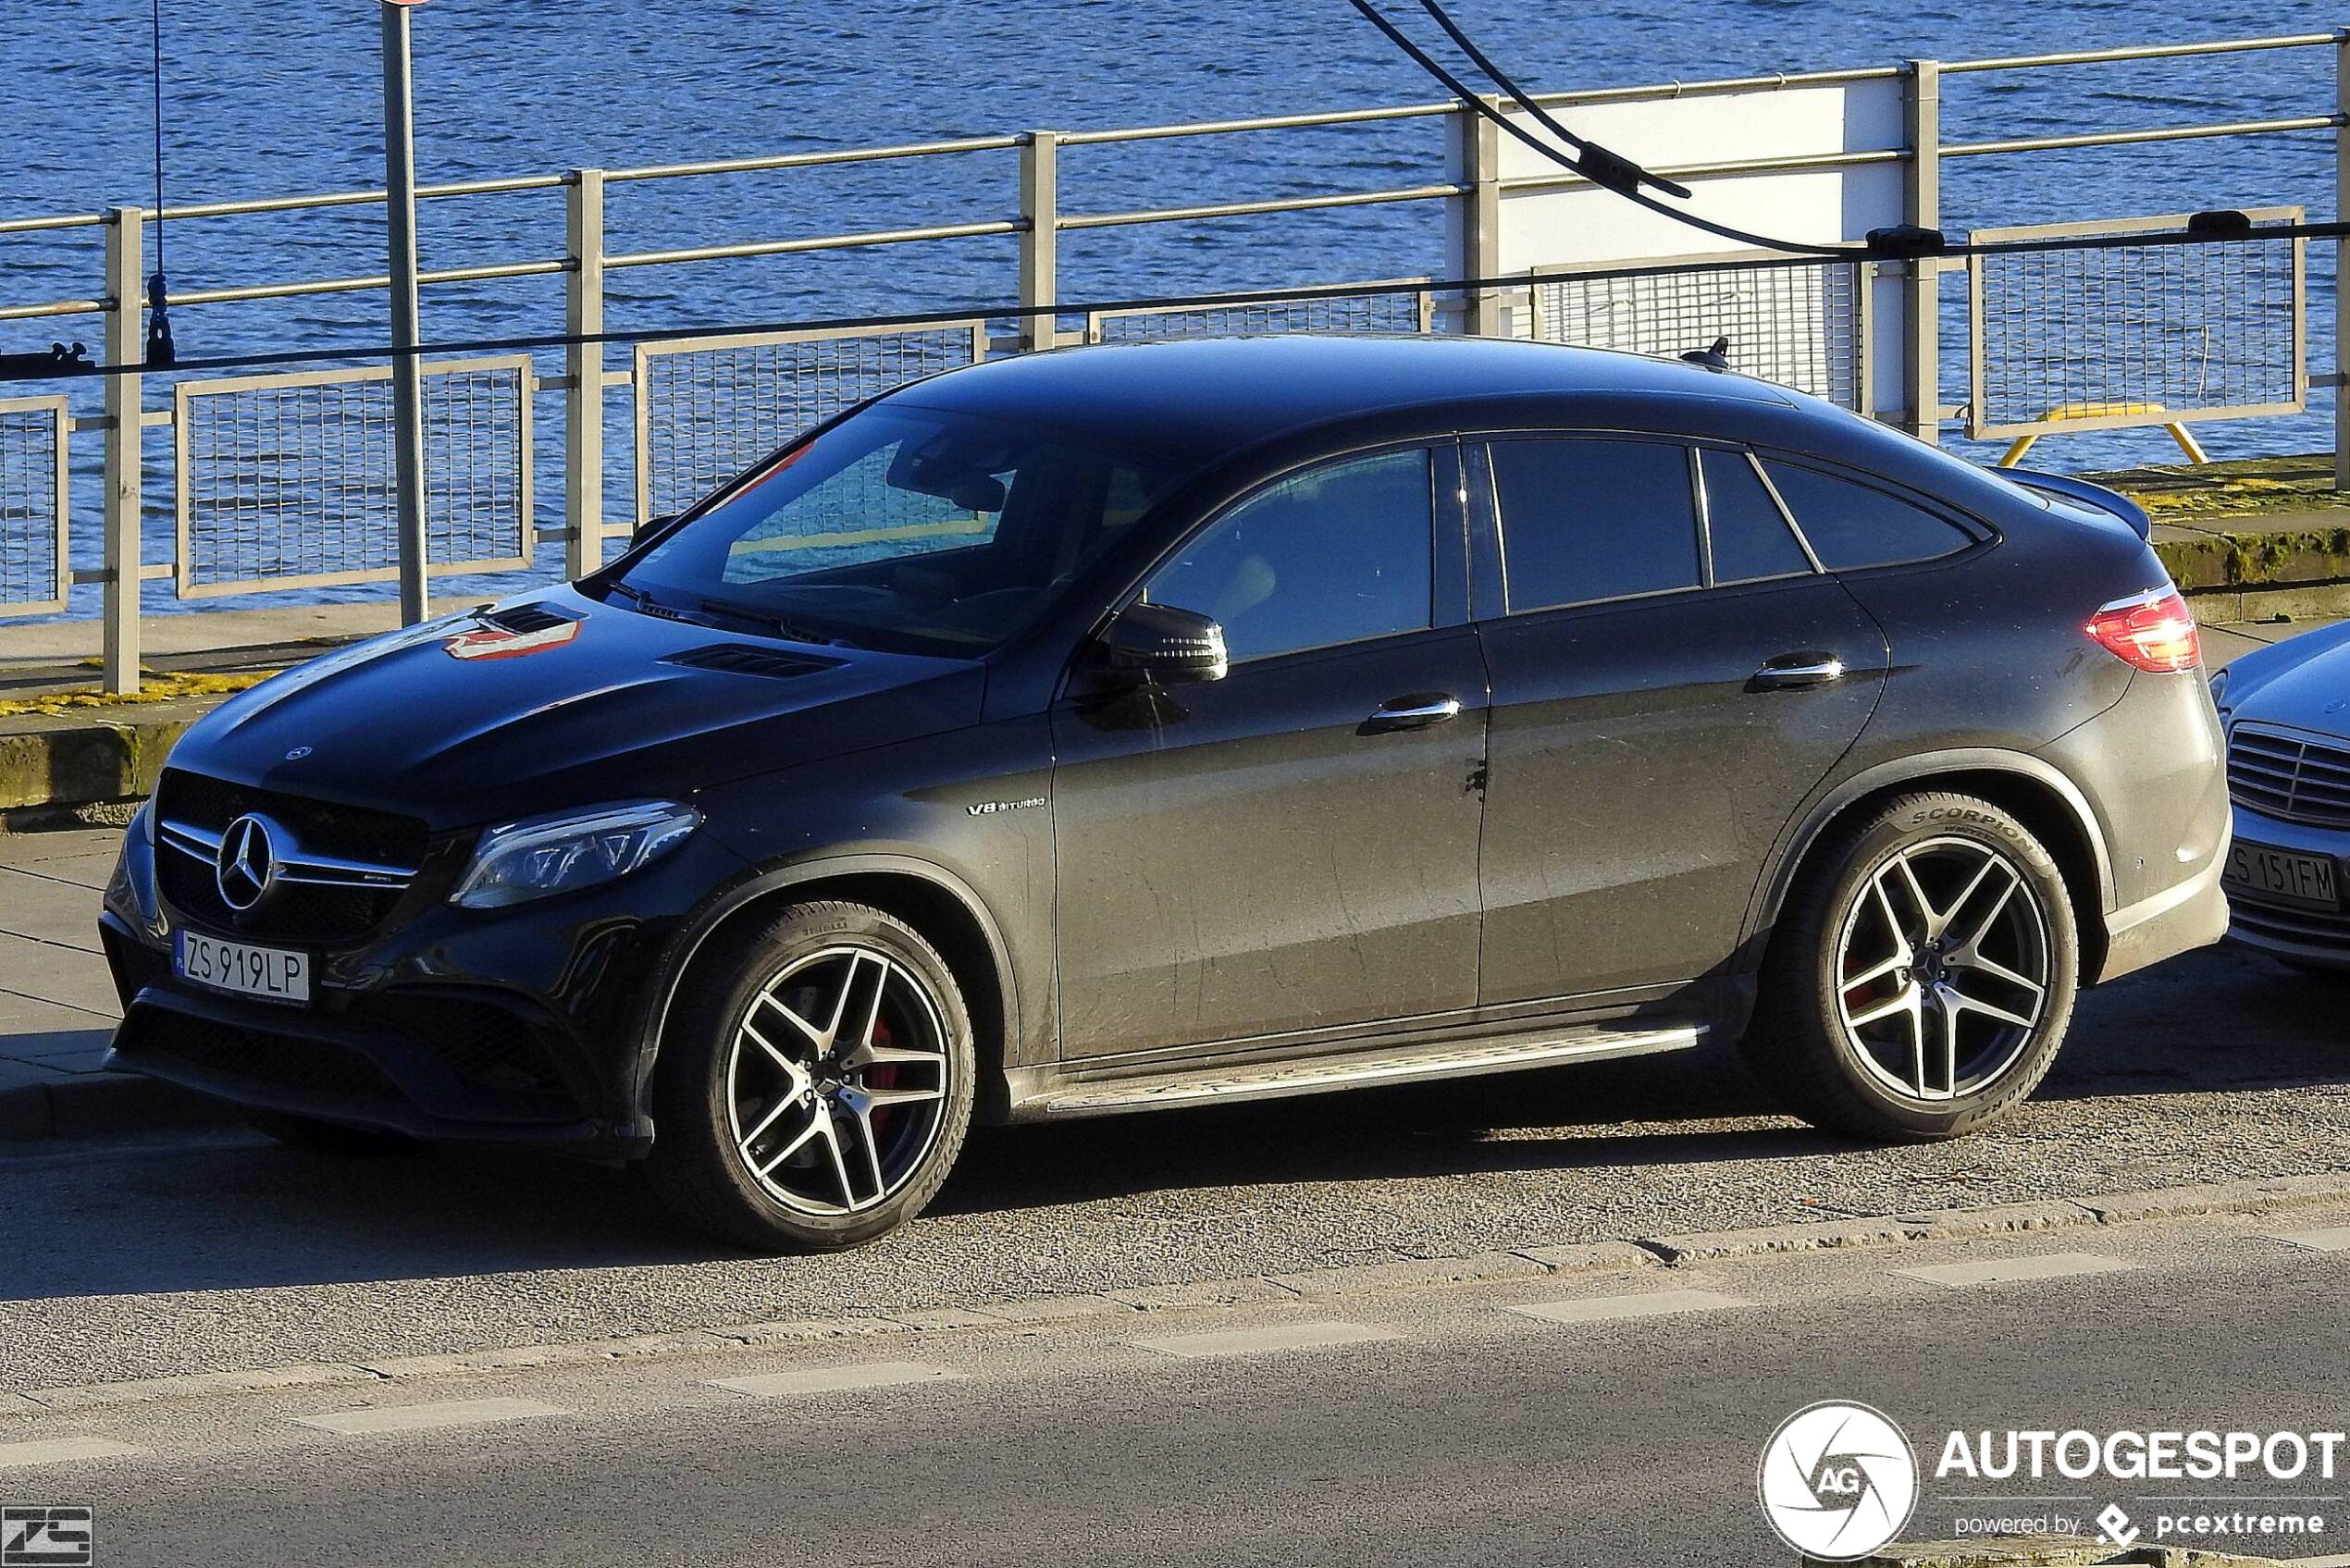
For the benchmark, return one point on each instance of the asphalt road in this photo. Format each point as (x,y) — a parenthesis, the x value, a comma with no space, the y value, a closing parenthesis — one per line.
(1433,1428)
(199,1253)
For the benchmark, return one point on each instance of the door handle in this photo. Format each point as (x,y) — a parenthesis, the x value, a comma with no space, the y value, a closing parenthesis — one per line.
(1791,671)
(1415,712)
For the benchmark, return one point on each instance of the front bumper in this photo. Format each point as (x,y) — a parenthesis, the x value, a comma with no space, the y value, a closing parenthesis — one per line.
(519,1025)
(2301,932)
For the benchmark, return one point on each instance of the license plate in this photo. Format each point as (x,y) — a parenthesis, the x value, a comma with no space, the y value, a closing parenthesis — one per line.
(274,974)
(2282,876)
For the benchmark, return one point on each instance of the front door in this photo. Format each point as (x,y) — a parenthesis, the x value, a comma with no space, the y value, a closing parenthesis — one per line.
(1292,848)
(1671,675)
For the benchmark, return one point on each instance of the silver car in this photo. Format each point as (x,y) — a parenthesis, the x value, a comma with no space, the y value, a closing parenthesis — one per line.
(2287,713)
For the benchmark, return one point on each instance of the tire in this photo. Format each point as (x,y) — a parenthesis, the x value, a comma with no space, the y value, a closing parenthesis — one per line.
(329,1137)
(741,1149)
(1870,1053)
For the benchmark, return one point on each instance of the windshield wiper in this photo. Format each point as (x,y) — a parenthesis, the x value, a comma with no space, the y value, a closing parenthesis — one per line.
(782,627)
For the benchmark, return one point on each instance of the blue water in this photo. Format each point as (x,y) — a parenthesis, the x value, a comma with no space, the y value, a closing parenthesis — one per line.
(269,97)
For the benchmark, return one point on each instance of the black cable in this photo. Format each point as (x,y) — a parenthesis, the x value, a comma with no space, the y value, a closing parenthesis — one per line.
(161,349)
(1591,152)
(1609,178)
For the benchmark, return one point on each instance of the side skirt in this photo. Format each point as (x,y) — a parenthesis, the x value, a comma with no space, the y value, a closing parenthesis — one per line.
(1049,1101)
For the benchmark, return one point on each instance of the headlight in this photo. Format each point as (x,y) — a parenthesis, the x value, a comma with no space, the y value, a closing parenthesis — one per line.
(2220,688)
(558,854)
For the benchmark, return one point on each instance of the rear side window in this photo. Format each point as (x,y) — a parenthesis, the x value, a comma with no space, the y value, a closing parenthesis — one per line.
(1584,520)
(1748,532)
(1853,525)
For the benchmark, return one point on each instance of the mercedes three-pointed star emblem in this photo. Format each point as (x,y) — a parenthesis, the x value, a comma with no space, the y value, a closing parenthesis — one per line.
(247,864)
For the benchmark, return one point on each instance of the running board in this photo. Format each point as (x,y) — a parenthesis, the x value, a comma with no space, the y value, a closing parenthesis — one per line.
(1274,1079)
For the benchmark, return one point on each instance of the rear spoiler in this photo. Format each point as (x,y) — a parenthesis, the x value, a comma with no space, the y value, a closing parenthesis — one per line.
(2085,494)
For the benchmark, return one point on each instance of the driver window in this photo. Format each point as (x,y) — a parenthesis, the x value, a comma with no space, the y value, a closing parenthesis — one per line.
(1337,554)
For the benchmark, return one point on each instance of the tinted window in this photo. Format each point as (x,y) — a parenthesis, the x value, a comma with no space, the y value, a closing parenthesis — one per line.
(1749,533)
(1851,525)
(1339,554)
(1584,520)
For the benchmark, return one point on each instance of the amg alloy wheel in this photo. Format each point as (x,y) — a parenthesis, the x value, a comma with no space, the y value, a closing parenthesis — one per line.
(1922,972)
(813,1092)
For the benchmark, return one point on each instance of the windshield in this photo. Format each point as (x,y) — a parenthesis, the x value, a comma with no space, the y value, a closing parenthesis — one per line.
(903,528)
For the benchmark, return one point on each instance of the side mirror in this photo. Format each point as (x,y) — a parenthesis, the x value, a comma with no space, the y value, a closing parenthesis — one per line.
(1160,645)
(649,527)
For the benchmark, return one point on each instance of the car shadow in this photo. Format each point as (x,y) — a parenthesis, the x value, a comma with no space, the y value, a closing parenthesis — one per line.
(225,1212)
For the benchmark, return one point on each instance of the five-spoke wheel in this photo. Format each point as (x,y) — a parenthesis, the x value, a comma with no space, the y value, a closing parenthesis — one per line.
(1922,975)
(815,1081)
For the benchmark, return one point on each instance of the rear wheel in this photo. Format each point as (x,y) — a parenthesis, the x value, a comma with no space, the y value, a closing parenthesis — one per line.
(1922,974)
(815,1095)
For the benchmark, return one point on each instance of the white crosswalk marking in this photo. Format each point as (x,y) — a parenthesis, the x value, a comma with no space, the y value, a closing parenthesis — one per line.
(2002,1271)
(1265,1341)
(59,1451)
(1612,1309)
(2335,1238)
(369,1420)
(834,1379)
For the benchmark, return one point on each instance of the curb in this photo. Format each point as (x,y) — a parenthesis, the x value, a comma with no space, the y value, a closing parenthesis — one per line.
(62,760)
(2256,1196)
(99,1104)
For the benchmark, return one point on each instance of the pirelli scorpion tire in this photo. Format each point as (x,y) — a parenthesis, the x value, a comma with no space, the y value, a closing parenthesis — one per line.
(815,1084)
(1922,975)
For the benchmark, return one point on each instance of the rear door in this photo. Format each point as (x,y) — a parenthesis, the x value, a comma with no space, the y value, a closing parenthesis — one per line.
(1671,675)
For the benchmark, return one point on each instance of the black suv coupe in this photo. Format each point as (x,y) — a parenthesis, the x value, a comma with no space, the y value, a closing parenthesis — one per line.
(1133,727)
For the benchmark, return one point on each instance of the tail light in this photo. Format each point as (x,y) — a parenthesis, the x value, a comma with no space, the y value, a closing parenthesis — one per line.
(2152,631)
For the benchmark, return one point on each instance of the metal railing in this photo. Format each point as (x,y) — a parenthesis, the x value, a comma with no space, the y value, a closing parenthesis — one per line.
(260,505)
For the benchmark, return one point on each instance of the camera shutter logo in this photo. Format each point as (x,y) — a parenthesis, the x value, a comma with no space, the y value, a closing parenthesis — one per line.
(44,1537)
(1838,1480)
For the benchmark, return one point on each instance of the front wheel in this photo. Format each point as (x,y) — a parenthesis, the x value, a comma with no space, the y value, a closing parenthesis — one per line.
(1922,974)
(814,1092)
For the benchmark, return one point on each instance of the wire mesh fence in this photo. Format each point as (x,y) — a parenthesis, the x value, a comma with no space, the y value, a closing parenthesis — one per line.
(708,408)
(2103,336)
(1803,325)
(286,481)
(1407,309)
(32,505)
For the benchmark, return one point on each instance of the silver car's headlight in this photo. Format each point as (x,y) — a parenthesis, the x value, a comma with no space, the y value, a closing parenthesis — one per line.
(571,850)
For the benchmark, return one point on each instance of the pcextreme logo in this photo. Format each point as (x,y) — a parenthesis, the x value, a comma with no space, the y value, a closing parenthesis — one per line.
(1838,1480)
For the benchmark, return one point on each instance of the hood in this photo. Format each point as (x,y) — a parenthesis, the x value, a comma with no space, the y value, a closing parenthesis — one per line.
(556,700)
(2303,682)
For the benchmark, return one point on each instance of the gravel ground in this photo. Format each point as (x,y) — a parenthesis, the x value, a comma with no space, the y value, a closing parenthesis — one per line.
(141,1260)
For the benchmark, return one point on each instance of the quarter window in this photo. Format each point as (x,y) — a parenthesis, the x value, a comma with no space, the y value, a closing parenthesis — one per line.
(1336,554)
(1584,520)
(1748,532)
(1851,527)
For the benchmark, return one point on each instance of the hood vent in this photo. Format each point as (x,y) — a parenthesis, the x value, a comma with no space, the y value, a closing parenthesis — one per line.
(745,658)
(535,616)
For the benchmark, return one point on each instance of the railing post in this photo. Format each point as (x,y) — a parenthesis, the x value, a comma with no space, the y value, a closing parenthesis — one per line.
(1482,244)
(125,344)
(584,365)
(407,376)
(1921,204)
(2340,266)
(1040,210)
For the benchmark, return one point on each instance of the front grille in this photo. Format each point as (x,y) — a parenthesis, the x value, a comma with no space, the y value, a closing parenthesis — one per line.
(2322,929)
(2293,777)
(304,911)
(306,1067)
